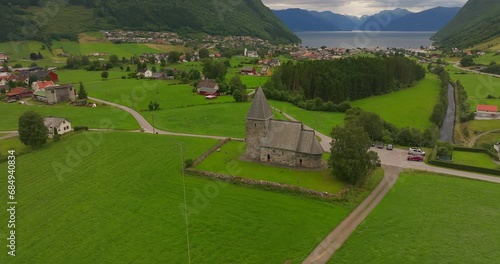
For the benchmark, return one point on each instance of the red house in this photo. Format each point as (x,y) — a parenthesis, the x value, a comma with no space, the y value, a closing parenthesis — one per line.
(487,108)
(47,76)
(248,70)
(18,93)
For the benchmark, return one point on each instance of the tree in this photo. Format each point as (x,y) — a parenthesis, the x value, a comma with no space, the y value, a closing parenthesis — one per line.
(104,75)
(240,96)
(153,105)
(372,124)
(128,69)
(214,70)
(174,56)
(153,69)
(467,61)
(350,159)
(82,93)
(236,84)
(56,135)
(32,130)
(204,53)
(113,59)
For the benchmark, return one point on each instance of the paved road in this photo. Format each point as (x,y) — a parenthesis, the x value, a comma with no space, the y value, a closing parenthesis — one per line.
(457,65)
(10,134)
(325,250)
(148,128)
(473,141)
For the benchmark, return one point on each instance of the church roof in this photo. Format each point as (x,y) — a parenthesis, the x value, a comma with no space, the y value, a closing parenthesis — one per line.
(260,109)
(291,136)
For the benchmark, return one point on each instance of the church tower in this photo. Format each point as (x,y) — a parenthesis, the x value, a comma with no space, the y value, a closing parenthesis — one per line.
(257,122)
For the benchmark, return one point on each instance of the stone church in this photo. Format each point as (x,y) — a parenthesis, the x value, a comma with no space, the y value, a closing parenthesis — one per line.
(280,142)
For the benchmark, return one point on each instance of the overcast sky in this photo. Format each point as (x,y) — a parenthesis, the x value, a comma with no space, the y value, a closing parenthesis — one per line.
(361,7)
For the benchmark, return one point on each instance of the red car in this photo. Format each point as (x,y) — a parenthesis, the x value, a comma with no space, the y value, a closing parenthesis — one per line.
(415,158)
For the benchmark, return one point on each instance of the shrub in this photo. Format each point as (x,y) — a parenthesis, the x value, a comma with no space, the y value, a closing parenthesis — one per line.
(81,128)
(188,163)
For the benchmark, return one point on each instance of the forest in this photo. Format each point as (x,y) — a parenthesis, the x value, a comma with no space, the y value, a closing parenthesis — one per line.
(337,81)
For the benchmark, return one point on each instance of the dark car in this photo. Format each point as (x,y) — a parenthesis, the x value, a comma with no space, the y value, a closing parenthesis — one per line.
(389,147)
(380,145)
(415,158)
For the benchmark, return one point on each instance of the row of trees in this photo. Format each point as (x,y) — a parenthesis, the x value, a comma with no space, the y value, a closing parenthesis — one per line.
(439,111)
(346,79)
(463,106)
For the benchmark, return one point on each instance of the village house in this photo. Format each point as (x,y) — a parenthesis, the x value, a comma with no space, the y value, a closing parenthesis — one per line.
(145,74)
(208,87)
(43,75)
(41,85)
(279,142)
(4,57)
(19,93)
(248,70)
(62,126)
(487,112)
(61,93)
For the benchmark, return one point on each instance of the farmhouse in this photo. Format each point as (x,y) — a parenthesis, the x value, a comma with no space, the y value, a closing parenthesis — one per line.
(145,74)
(208,87)
(4,57)
(61,93)
(18,93)
(41,85)
(62,125)
(279,142)
(248,70)
(487,112)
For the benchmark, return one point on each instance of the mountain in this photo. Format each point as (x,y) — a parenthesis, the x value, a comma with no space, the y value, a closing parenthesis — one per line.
(477,22)
(303,20)
(429,20)
(382,19)
(69,17)
(342,22)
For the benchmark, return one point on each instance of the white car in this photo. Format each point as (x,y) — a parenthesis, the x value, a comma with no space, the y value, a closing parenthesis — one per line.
(416,151)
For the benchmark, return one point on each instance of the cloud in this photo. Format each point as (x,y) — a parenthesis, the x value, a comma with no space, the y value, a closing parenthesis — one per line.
(361,7)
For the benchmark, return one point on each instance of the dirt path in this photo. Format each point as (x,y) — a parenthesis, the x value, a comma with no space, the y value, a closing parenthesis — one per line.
(10,134)
(148,128)
(325,250)
(473,141)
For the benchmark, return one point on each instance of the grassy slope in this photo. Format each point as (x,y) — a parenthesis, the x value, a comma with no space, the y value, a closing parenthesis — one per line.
(122,204)
(99,117)
(397,108)
(491,138)
(232,151)
(409,226)
(478,87)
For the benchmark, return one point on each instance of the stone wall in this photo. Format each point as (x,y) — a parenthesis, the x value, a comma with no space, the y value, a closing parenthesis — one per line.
(273,186)
(282,157)
(310,161)
(210,151)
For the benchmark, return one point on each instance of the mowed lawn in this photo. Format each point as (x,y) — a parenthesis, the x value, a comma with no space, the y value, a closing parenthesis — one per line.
(474,159)
(411,107)
(123,202)
(99,117)
(231,152)
(427,218)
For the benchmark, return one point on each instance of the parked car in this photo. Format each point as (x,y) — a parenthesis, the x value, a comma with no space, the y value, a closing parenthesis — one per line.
(416,151)
(380,145)
(389,147)
(415,158)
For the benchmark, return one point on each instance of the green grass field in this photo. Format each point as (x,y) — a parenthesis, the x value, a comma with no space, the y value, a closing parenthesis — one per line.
(480,126)
(13,143)
(478,87)
(429,219)
(474,159)
(487,59)
(122,50)
(123,203)
(232,151)
(411,107)
(320,121)
(490,139)
(99,117)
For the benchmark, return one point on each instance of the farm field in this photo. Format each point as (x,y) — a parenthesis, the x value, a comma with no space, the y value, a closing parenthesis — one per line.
(409,226)
(474,159)
(480,126)
(13,143)
(478,86)
(142,203)
(232,151)
(396,108)
(488,58)
(99,117)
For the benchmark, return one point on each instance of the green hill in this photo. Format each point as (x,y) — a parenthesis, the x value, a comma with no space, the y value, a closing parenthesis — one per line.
(477,22)
(30,19)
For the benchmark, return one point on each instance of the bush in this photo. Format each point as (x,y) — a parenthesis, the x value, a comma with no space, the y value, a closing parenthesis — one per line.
(188,163)
(81,128)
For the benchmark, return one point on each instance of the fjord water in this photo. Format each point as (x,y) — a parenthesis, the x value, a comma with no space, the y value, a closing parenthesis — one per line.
(366,39)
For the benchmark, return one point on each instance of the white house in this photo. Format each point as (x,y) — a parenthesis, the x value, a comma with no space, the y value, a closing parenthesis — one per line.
(62,125)
(146,74)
